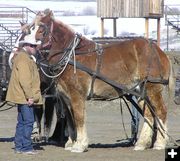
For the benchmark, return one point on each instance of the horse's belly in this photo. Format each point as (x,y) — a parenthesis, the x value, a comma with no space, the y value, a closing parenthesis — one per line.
(103,90)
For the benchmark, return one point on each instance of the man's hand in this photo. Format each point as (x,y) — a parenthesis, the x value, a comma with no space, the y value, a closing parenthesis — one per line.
(30,101)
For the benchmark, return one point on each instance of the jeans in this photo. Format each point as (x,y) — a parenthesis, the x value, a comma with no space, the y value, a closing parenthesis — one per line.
(24,128)
(135,122)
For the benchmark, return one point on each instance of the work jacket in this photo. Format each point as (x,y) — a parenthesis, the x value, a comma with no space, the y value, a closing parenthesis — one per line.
(24,82)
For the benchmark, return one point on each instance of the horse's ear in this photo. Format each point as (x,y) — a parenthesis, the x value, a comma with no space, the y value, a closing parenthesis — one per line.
(39,13)
(22,23)
(24,26)
(51,14)
(48,12)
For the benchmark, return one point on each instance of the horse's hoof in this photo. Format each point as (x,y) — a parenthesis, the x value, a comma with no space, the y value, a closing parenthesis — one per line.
(158,147)
(68,148)
(139,147)
(177,100)
(36,139)
(69,144)
(78,150)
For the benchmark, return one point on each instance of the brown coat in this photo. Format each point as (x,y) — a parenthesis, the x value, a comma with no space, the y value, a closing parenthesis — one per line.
(24,82)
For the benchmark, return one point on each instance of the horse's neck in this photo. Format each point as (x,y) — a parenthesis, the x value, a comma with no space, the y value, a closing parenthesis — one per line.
(86,44)
(63,34)
(64,39)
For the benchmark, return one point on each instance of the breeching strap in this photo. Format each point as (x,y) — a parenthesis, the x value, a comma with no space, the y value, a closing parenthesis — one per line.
(117,86)
(99,52)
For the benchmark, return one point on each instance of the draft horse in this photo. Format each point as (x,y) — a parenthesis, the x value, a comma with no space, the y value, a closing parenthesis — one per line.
(84,69)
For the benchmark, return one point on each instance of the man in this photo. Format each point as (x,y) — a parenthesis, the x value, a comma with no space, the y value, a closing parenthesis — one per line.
(24,90)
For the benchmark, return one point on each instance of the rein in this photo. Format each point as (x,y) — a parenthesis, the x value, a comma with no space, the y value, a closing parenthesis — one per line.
(122,90)
(45,45)
(6,103)
(128,93)
(67,59)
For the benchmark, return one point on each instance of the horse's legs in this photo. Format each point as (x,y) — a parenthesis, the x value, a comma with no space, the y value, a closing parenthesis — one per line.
(161,138)
(161,111)
(145,139)
(81,143)
(148,131)
(36,133)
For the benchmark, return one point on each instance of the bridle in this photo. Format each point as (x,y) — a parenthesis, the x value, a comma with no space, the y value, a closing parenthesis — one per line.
(57,69)
(47,38)
(47,32)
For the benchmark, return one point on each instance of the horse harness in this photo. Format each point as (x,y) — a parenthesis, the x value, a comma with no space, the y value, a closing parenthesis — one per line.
(69,58)
(99,51)
(70,53)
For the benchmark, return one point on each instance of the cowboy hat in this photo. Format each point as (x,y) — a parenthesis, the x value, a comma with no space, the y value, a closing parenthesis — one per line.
(29,41)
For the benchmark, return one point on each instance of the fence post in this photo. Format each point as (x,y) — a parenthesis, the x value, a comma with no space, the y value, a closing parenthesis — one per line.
(4,65)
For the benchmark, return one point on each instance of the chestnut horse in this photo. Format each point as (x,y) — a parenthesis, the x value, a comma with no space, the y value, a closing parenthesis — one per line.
(83,68)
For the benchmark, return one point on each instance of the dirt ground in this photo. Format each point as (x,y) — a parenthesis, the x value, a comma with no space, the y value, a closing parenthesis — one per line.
(105,132)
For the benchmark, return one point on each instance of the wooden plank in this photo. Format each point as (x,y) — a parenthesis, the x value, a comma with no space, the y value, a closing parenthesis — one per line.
(11,15)
(130,8)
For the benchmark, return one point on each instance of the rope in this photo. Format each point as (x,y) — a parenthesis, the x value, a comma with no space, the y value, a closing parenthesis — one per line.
(6,103)
(122,119)
(3,104)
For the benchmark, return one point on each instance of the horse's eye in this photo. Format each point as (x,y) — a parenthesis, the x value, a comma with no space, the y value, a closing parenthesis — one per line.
(29,31)
(41,31)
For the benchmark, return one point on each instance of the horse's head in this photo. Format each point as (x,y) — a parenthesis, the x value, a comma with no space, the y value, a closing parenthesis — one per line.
(28,32)
(39,30)
(44,26)
(54,31)
(55,36)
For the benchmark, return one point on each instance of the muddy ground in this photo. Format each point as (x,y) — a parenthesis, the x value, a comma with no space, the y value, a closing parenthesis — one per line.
(105,132)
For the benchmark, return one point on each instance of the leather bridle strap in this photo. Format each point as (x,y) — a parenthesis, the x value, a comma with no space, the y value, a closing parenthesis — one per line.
(99,51)
(50,37)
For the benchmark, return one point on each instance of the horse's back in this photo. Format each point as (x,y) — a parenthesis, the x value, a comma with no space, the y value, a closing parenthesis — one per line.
(138,56)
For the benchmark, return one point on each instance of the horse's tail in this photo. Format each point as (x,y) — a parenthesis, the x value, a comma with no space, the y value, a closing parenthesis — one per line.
(66,110)
(171,84)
